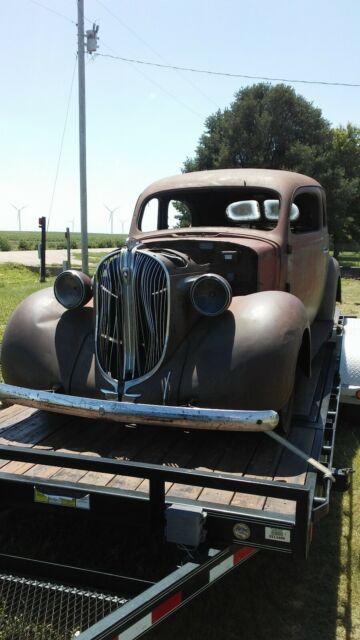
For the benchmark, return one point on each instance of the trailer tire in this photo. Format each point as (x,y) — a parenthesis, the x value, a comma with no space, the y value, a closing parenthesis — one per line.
(286,414)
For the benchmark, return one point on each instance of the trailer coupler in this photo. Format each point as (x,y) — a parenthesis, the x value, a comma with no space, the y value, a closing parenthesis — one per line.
(342,479)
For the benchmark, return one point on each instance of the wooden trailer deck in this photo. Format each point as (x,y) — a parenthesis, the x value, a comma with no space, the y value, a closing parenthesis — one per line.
(253,455)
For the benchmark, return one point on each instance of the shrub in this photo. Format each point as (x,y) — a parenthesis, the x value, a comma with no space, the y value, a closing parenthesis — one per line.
(24,245)
(4,244)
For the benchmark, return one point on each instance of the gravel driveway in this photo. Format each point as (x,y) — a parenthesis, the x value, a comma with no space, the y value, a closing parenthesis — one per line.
(53,257)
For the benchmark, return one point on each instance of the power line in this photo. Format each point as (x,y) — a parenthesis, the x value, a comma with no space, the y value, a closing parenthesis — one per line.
(228,75)
(151,48)
(61,144)
(57,13)
(156,84)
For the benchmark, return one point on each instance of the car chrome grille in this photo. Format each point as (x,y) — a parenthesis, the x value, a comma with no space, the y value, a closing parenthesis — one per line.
(132,313)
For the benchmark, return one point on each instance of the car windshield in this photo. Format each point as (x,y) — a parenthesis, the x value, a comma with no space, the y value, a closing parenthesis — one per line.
(242,207)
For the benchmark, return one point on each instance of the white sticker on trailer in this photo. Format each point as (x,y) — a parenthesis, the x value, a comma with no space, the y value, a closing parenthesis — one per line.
(136,629)
(221,568)
(280,535)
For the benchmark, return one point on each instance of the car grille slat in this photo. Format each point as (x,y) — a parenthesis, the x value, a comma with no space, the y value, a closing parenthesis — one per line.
(132,313)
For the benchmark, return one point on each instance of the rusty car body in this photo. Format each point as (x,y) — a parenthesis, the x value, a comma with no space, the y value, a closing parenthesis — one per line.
(224,289)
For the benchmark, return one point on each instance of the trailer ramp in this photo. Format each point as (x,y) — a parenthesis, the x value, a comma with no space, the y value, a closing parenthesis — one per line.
(41,610)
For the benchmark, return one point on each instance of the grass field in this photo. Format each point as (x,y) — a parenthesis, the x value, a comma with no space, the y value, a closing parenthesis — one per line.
(272,596)
(29,240)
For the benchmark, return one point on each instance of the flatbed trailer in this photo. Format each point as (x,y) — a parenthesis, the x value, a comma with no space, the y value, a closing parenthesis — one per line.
(212,500)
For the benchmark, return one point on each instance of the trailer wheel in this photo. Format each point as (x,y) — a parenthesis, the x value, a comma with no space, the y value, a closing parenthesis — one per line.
(286,413)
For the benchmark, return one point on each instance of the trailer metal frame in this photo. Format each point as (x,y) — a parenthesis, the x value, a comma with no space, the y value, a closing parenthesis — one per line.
(222,551)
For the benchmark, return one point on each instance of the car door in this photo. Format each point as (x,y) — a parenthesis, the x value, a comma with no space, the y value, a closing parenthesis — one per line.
(308,246)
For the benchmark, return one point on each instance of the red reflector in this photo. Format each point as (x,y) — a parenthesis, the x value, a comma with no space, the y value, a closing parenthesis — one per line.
(166,607)
(242,553)
(357,394)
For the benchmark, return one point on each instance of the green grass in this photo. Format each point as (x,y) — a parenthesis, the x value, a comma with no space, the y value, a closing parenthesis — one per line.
(29,240)
(16,283)
(94,257)
(350,259)
(350,304)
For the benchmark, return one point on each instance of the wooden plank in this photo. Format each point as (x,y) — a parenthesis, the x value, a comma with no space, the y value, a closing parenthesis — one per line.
(292,468)
(205,459)
(238,451)
(30,431)
(261,467)
(85,440)
(156,453)
(137,441)
(113,437)
(52,442)
(180,456)
(27,434)
(10,417)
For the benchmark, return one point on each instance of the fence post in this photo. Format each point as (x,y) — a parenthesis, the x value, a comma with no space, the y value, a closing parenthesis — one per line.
(68,246)
(42,248)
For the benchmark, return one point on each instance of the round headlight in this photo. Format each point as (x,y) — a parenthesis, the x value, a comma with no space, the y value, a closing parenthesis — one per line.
(210,294)
(72,289)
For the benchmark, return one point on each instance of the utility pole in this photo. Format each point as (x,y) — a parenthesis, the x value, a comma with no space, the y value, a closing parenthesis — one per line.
(91,46)
(19,210)
(42,249)
(82,137)
(111,216)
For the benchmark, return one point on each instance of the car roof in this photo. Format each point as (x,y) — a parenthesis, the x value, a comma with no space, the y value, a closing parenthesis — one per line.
(269,178)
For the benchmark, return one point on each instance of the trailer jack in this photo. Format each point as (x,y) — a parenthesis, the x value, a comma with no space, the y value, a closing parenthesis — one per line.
(342,479)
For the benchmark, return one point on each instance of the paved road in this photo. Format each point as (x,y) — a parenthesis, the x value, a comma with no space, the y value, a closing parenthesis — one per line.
(31,258)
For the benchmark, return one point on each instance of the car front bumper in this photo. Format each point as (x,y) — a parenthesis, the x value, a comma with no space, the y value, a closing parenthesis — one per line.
(137,413)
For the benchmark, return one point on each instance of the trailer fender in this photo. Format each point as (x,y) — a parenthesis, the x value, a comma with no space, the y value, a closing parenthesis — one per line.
(332,292)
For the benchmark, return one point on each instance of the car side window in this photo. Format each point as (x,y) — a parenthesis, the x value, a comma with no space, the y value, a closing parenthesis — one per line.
(178,215)
(310,213)
(150,216)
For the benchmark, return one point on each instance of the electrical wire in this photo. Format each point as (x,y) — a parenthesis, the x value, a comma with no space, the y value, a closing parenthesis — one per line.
(228,75)
(156,84)
(151,48)
(57,13)
(190,69)
(61,145)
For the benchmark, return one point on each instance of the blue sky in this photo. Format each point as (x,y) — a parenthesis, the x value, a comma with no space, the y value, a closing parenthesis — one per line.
(142,122)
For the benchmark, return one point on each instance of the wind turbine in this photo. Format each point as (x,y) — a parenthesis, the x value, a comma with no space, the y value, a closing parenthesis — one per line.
(19,210)
(122,222)
(111,216)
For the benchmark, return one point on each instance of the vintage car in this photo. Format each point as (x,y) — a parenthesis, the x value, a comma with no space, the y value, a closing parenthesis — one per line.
(224,290)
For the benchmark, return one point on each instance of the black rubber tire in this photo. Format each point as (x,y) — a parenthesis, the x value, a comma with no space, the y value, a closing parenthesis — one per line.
(286,414)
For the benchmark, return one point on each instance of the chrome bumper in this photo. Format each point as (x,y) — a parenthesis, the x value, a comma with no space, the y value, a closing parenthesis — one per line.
(147,414)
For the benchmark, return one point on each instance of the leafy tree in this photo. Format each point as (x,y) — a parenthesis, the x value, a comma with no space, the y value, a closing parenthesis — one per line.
(273,127)
(260,129)
(341,179)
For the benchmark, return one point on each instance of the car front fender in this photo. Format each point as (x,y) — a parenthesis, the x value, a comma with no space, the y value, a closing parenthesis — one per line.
(246,357)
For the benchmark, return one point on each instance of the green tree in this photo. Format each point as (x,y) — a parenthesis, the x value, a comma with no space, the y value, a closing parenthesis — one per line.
(341,179)
(273,127)
(260,129)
